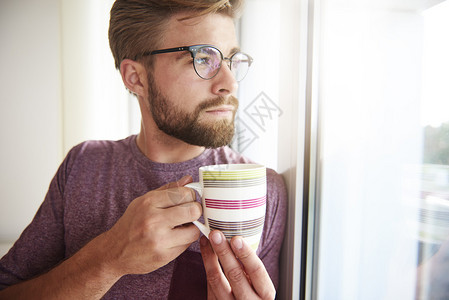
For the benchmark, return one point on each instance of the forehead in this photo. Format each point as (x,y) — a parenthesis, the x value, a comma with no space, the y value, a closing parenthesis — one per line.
(212,29)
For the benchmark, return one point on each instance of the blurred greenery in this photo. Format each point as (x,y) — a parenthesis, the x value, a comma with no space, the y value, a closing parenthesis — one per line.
(436,144)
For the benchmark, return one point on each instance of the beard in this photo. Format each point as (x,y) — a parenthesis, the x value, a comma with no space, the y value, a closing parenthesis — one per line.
(174,121)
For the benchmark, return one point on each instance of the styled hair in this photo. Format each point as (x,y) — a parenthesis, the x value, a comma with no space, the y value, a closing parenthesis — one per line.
(137,26)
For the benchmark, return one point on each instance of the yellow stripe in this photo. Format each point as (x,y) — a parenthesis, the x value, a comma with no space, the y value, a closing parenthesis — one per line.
(214,175)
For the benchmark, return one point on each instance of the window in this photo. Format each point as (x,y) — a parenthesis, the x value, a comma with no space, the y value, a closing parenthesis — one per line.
(382,197)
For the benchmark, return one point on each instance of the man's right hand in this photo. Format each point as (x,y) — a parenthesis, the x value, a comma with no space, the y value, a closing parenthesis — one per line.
(154,229)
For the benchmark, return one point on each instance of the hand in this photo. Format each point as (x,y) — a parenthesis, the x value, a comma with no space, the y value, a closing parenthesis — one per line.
(242,275)
(154,229)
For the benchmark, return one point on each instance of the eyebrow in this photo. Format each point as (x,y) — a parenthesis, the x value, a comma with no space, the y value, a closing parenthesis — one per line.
(183,54)
(234,50)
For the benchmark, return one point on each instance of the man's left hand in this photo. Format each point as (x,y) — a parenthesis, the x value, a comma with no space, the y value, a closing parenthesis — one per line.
(241,275)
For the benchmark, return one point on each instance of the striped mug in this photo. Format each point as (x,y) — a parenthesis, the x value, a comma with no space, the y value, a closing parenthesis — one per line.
(233,197)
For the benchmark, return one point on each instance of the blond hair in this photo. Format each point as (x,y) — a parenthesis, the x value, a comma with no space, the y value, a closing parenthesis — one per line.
(137,26)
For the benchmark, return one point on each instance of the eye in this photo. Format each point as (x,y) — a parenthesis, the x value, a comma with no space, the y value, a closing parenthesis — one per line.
(205,60)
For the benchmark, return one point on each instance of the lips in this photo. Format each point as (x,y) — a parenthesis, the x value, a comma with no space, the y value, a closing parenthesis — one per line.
(218,107)
(226,111)
(221,109)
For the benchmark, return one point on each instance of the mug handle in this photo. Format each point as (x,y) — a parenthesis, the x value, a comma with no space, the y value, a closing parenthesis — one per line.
(197,187)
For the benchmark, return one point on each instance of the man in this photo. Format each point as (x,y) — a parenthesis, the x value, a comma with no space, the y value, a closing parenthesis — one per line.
(116,221)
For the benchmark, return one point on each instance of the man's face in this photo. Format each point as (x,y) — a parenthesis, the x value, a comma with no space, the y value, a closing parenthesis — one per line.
(183,105)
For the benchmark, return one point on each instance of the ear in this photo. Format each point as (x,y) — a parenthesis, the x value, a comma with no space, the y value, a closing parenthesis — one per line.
(134,76)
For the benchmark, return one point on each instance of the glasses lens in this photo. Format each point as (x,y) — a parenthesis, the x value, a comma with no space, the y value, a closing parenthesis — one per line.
(240,63)
(207,62)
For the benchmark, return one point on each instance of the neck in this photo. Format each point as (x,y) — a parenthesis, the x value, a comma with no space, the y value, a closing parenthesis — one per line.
(162,148)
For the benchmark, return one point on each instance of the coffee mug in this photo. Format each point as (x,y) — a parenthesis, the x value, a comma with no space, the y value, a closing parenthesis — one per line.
(233,197)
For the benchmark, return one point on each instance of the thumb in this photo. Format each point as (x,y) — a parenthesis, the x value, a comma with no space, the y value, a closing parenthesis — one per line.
(185,180)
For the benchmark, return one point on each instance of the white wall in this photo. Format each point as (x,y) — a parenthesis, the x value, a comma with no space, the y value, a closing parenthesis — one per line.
(275,34)
(95,103)
(30,110)
(259,109)
(58,88)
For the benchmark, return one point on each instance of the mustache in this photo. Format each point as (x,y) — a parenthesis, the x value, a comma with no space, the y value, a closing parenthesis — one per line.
(231,100)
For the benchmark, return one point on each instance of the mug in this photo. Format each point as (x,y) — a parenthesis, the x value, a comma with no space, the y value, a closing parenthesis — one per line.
(233,197)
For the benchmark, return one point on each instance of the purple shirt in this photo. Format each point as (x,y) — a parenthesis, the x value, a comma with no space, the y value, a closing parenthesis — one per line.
(90,192)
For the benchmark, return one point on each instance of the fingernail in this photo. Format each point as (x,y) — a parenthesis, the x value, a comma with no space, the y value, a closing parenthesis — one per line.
(237,243)
(185,179)
(216,238)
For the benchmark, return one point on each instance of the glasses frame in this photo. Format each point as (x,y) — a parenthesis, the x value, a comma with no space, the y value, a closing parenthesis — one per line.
(194,50)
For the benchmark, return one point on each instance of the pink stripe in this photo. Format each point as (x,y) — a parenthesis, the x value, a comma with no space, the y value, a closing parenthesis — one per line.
(235,204)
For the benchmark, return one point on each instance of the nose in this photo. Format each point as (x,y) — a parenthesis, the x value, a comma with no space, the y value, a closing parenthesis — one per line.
(227,61)
(224,82)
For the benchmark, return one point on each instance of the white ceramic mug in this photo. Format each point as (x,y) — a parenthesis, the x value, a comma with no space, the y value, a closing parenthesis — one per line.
(233,197)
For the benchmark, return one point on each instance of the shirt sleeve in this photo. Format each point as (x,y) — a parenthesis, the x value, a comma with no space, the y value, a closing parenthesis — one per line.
(275,219)
(41,245)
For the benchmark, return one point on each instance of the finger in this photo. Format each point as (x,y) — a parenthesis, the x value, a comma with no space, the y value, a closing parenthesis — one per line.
(181,182)
(185,235)
(181,214)
(210,293)
(173,197)
(172,244)
(254,268)
(234,272)
(217,285)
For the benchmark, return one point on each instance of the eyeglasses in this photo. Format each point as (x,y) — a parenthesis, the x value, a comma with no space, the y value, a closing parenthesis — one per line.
(207,60)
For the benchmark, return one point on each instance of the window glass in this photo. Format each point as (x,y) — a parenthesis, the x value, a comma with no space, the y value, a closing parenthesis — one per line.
(383,174)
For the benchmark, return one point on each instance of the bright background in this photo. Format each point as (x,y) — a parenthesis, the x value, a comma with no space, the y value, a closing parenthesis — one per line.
(58,88)
(339,101)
